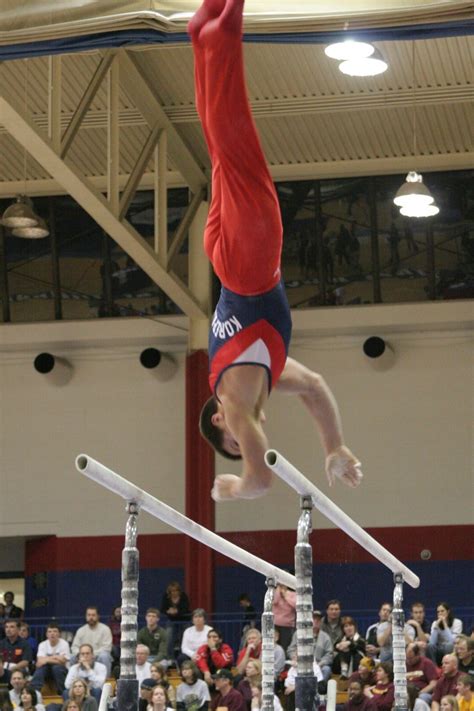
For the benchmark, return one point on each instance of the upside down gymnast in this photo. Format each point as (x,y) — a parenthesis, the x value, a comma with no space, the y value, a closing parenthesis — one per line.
(251,328)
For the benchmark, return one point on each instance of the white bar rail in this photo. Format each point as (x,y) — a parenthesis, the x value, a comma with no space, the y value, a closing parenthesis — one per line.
(294,478)
(128,491)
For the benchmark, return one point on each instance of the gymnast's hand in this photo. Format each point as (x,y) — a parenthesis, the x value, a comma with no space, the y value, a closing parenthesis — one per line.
(228,487)
(342,464)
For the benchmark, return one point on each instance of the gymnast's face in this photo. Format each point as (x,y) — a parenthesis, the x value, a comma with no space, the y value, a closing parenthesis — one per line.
(229,443)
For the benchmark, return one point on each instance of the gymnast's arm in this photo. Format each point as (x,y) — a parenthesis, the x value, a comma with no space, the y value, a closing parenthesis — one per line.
(313,391)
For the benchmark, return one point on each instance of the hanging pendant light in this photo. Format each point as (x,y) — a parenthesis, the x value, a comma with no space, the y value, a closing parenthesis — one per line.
(364,66)
(38,231)
(349,49)
(20,214)
(413,197)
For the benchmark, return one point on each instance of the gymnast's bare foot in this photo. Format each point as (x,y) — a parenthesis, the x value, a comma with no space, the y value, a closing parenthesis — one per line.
(342,464)
(228,487)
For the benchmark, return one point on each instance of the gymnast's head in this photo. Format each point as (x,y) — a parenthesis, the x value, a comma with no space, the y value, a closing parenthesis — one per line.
(213,428)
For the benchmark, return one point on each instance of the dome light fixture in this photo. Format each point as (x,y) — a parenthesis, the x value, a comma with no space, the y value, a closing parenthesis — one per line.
(20,214)
(364,66)
(38,231)
(349,49)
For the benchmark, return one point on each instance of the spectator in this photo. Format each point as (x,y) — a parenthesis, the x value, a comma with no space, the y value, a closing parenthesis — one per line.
(158,674)
(5,703)
(115,624)
(142,665)
(464,650)
(213,655)
(159,700)
(371,635)
(365,673)
(284,613)
(146,690)
(421,672)
(290,682)
(251,650)
(252,675)
(256,703)
(80,694)
(331,622)
(358,701)
(154,637)
(465,689)
(193,693)
(16,653)
(447,683)
(417,627)
(349,650)
(279,657)
(226,694)
(444,631)
(18,683)
(414,702)
(97,635)
(53,657)
(12,612)
(175,605)
(195,636)
(24,633)
(3,619)
(87,668)
(248,610)
(71,705)
(29,700)
(383,692)
(4,675)
(449,703)
(323,648)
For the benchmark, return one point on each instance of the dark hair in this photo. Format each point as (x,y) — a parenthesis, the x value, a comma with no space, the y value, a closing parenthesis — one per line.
(212,434)
(32,692)
(450,612)
(189,664)
(348,621)
(154,610)
(467,680)
(417,604)
(242,597)
(92,607)
(388,669)
(216,631)
(333,602)
(53,626)
(5,701)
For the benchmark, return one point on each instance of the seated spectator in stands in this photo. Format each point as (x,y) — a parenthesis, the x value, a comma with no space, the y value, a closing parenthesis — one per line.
(256,703)
(97,635)
(227,696)
(24,632)
(447,683)
(421,672)
(115,624)
(323,648)
(146,690)
(449,703)
(213,655)
(444,631)
(142,665)
(417,627)
(357,700)
(465,689)
(154,637)
(12,612)
(284,614)
(80,694)
(194,637)
(279,657)
(175,605)
(16,653)
(18,681)
(158,674)
(51,662)
(365,673)
(290,682)
(372,632)
(29,700)
(252,675)
(331,622)
(5,703)
(383,693)
(3,619)
(414,702)
(4,675)
(349,650)
(159,700)
(251,650)
(248,612)
(464,650)
(87,668)
(193,694)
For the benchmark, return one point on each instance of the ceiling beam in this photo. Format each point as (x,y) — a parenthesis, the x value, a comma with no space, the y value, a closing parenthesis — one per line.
(138,170)
(184,225)
(141,91)
(97,207)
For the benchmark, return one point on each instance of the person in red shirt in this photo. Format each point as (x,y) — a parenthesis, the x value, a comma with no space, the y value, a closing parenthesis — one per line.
(447,683)
(421,672)
(252,649)
(383,693)
(227,696)
(366,672)
(357,699)
(214,655)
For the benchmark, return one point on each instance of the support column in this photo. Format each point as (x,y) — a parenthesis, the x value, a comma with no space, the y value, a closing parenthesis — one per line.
(199,559)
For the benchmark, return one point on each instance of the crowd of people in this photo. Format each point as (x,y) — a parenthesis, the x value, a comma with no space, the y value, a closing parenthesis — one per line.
(212,674)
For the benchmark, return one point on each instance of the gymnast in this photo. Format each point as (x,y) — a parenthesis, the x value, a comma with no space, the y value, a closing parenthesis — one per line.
(251,327)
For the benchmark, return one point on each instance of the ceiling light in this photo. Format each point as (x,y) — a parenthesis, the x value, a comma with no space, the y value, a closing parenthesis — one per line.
(349,49)
(364,66)
(20,214)
(414,198)
(33,232)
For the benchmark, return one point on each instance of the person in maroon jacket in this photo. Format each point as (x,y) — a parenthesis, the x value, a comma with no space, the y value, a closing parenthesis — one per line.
(357,699)
(383,693)
(421,672)
(227,696)
(447,683)
(214,655)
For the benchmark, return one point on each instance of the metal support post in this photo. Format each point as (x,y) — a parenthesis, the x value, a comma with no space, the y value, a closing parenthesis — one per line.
(268,647)
(306,689)
(127,685)
(398,642)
